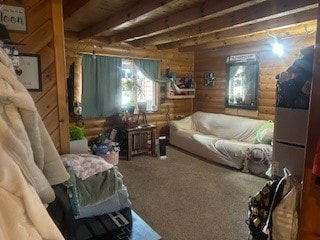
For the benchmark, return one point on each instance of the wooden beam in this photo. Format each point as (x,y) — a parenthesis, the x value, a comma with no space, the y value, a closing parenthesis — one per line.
(60,68)
(283,33)
(202,11)
(258,46)
(72,6)
(102,39)
(257,13)
(68,35)
(269,25)
(133,14)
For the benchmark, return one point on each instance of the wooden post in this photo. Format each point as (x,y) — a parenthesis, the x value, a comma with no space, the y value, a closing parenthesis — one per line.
(60,69)
(309,220)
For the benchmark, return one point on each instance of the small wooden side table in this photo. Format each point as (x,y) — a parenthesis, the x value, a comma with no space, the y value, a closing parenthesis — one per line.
(138,137)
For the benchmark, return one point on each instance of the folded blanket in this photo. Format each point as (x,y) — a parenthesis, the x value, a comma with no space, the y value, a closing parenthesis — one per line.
(96,188)
(85,165)
(24,136)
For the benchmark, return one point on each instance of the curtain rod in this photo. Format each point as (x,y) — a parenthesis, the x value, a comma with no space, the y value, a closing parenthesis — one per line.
(110,55)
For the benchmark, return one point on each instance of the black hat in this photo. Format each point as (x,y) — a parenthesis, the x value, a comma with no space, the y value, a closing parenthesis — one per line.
(5,38)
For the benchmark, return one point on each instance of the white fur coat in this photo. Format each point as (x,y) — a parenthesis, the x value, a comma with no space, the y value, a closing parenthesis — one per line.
(30,163)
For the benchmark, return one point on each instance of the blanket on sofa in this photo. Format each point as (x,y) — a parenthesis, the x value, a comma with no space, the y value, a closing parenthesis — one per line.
(222,138)
(24,137)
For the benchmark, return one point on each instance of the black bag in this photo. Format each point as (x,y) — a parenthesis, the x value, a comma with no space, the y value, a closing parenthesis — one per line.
(261,206)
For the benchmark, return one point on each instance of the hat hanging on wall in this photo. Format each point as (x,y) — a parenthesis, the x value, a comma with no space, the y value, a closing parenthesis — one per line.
(5,37)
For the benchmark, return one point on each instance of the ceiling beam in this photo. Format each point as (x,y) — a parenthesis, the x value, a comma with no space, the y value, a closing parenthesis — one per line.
(132,14)
(259,46)
(272,24)
(283,33)
(257,13)
(72,6)
(203,11)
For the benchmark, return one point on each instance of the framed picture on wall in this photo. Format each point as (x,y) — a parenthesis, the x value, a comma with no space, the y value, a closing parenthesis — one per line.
(29,72)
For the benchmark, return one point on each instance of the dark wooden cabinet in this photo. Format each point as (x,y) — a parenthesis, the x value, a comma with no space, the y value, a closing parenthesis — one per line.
(134,140)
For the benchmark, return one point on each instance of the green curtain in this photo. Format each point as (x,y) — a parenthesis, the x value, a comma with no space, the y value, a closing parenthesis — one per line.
(149,68)
(101,86)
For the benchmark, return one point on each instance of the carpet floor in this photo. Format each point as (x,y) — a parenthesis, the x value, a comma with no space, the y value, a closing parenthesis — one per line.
(186,198)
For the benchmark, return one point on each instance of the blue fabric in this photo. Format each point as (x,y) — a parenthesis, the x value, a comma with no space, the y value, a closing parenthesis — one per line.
(101,86)
(149,68)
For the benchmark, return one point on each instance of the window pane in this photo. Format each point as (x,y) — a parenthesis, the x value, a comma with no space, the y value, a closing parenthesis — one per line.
(136,87)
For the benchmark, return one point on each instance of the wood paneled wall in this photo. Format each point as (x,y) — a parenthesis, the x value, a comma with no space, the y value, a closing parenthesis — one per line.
(180,63)
(45,36)
(212,99)
(309,224)
(209,99)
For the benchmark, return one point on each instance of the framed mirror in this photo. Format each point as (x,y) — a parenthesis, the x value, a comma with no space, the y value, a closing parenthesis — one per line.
(242,81)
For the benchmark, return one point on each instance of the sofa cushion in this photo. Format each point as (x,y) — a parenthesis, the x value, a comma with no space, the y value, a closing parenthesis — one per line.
(232,149)
(227,127)
(206,148)
(207,140)
(183,124)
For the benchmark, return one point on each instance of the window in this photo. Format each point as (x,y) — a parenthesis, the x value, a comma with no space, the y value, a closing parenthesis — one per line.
(136,87)
(110,84)
(242,81)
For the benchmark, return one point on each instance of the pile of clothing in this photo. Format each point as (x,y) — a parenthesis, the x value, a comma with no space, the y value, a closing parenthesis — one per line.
(95,186)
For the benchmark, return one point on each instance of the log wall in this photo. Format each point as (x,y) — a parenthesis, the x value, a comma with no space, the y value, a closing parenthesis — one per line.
(180,63)
(212,99)
(44,36)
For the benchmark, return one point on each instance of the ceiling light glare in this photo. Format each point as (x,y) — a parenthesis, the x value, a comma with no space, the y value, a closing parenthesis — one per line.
(277,49)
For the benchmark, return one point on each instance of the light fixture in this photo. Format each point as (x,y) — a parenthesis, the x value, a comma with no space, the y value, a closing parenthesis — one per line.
(277,48)
(94,56)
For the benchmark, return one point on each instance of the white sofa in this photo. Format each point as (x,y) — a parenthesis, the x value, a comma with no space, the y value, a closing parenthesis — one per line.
(225,139)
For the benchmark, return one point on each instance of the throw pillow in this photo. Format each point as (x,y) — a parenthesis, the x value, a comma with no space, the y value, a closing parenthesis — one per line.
(265,133)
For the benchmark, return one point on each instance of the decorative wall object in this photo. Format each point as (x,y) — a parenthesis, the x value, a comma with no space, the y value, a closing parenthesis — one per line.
(13,17)
(209,79)
(29,73)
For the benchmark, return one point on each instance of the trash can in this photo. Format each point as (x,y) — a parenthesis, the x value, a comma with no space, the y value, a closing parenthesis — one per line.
(162,147)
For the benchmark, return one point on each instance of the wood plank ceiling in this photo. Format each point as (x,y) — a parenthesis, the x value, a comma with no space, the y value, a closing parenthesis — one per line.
(187,25)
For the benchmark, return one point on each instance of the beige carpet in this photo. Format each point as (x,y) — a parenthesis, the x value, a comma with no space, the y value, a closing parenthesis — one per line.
(186,198)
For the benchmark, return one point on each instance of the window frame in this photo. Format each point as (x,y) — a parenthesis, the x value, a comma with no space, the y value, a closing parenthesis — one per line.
(155,87)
